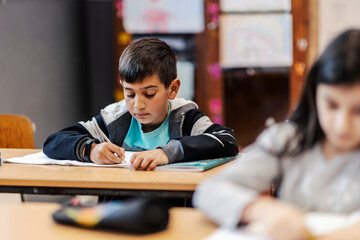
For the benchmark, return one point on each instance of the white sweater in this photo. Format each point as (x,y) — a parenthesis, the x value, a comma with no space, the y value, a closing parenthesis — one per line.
(308,180)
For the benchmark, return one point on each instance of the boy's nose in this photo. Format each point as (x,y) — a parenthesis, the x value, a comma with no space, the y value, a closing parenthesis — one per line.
(139,103)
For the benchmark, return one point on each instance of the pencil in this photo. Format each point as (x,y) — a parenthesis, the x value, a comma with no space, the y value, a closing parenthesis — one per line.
(106,139)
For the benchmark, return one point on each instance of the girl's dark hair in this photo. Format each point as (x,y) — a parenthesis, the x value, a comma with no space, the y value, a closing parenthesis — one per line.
(339,64)
(145,57)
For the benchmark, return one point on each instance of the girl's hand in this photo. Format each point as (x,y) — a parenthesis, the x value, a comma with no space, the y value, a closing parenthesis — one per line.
(106,153)
(275,219)
(148,160)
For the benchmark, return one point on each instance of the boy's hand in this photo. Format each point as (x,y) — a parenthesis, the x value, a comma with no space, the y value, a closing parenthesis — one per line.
(106,153)
(275,219)
(148,160)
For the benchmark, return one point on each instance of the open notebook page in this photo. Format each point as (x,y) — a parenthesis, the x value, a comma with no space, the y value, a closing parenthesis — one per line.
(41,159)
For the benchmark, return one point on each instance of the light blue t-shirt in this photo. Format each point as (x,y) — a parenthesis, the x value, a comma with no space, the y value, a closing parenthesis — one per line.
(137,139)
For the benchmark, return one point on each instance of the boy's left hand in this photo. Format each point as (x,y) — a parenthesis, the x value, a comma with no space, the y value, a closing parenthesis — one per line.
(148,160)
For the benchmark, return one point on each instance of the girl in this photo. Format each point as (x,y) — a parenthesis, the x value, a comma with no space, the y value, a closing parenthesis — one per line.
(315,156)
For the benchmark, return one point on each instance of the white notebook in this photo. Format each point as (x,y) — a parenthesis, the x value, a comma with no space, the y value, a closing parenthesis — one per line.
(41,159)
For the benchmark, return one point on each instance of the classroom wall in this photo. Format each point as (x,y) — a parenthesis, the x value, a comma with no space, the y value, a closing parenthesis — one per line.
(331,23)
(41,63)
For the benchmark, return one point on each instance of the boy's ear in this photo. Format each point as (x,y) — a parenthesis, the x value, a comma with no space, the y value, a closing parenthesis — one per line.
(174,88)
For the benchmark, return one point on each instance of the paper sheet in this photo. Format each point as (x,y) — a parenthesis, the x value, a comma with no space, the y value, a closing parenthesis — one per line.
(41,159)
(318,224)
(163,16)
(255,5)
(228,234)
(255,40)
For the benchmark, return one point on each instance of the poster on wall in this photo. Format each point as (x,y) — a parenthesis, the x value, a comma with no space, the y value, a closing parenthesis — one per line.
(163,16)
(335,16)
(255,5)
(255,40)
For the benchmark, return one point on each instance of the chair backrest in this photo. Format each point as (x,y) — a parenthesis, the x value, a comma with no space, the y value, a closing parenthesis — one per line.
(16,131)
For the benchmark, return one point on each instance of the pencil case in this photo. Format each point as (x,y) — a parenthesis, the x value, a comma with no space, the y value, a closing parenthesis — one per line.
(138,216)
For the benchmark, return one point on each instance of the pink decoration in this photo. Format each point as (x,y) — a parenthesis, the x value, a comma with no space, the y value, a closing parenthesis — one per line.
(216,106)
(215,18)
(217,119)
(156,20)
(215,71)
(119,7)
(213,8)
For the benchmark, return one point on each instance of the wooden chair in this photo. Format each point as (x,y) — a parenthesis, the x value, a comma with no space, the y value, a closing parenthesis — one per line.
(16,131)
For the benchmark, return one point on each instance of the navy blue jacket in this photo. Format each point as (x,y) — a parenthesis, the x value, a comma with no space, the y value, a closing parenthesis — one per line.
(192,134)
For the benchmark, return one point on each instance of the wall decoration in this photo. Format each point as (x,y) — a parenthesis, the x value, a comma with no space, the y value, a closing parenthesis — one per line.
(215,71)
(255,5)
(119,8)
(163,16)
(216,109)
(256,40)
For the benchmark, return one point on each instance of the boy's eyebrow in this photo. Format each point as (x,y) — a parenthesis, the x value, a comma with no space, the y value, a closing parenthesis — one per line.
(147,87)
(151,86)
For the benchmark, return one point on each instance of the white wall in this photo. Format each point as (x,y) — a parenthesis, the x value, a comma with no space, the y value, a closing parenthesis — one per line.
(335,16)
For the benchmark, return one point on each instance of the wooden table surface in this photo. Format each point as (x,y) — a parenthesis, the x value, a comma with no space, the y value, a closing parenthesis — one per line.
(33,221)
(56,176)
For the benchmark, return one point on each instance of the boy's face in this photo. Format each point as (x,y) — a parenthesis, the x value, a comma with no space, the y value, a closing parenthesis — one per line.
(147,101)
(339,116)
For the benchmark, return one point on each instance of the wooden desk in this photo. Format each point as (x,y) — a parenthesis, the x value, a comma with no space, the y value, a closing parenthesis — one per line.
(55,179)
(33,221)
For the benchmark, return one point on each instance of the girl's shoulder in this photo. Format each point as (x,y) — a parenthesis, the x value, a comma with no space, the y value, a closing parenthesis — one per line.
(280,138)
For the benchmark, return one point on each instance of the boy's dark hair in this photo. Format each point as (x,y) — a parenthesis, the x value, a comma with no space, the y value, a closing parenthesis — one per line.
(339,64)
(145,57)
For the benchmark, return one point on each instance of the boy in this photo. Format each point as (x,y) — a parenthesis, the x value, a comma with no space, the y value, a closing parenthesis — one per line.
(149,118)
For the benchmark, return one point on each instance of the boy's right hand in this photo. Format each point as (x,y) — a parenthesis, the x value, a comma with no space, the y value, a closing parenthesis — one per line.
(106,153)
(275,219)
